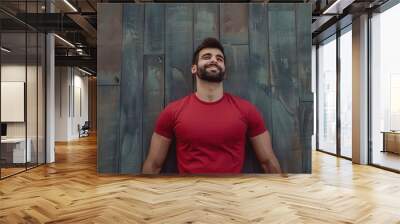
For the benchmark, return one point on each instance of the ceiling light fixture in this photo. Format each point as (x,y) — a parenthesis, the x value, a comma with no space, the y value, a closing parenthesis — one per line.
(70,5)
(65,41)
(5,50)
(329,9)
(86,72)
(337,7)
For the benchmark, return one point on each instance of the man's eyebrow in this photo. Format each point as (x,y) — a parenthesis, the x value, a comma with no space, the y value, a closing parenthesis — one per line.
(206,54)
(218,55)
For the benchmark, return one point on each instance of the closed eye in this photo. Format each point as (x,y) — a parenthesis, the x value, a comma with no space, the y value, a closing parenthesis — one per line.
(206,56)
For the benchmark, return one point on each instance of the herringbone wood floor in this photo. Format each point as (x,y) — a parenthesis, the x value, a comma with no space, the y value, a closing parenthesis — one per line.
(70,191)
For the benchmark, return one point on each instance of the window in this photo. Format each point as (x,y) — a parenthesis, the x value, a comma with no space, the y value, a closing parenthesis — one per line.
(327,95)
(385,86)
(346,92)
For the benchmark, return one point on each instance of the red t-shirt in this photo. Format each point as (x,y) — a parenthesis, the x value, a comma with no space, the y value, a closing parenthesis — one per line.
(210,137)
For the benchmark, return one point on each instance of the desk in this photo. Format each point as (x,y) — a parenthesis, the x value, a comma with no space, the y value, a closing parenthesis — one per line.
(391,141)
(16,148)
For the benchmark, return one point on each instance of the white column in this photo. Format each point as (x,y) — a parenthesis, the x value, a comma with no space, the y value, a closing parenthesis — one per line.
(50,93)
(360,90)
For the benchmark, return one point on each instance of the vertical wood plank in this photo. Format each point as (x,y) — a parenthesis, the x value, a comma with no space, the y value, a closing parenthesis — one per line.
(282,44)
(205,24)
(303,38)
(259,94)
(153,80)
(306,110)
(237,70)
(306,130)
(109,43)
(234,23)
(284,80)
(154,32)
(153,96)
(178,55)
(179,50)
(108,106)
(132,89)
(206,21)
(234,37)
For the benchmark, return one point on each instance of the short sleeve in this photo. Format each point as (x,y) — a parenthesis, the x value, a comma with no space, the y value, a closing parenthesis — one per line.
(166,122)
(255,122)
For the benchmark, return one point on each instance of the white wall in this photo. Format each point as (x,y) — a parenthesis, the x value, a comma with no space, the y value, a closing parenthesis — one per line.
(79,117)
(314,90)
(70,84)
(62,81)
(16,73)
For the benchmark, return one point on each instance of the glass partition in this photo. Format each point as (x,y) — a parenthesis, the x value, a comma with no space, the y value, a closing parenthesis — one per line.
(14,154)
(22,88)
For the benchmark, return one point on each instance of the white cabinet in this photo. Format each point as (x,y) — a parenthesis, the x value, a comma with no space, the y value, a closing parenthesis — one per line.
(18,149)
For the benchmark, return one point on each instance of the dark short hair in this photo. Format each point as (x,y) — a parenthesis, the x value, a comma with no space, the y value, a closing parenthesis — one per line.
(209,42)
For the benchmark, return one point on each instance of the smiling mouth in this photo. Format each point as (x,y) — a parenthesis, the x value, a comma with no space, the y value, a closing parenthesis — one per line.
(213,67)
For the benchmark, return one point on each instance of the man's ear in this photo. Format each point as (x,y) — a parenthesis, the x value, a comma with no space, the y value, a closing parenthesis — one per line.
(194,69)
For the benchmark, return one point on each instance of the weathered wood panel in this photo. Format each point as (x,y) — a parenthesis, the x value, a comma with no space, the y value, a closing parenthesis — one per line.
(153,85)
(178,55)
(108,108)
(153,90)
(259,72)
(154,32)
(284,79)
(237,70)
(205,24)
(258,75)
(109,44)
(206,21)
(303,38)
(306,117)
(234,23)
(132,90)
(178,52)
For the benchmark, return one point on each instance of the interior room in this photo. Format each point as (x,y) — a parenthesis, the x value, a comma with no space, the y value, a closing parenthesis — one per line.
(83,83)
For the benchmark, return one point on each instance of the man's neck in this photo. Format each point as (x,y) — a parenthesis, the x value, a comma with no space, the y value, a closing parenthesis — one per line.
(209,91)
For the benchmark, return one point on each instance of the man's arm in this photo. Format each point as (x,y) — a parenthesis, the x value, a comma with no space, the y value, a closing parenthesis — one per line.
(158,151)
(263,149)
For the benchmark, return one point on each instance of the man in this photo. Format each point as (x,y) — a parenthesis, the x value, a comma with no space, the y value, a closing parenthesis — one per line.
(211,127)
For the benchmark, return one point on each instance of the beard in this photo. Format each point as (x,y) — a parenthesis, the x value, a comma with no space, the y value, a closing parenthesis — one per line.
(204,74)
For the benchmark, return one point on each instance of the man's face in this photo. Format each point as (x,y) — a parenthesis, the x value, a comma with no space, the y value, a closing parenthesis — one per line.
(210,66)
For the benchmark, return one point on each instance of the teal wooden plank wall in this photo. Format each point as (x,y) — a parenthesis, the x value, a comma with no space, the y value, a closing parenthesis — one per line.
(144,62)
